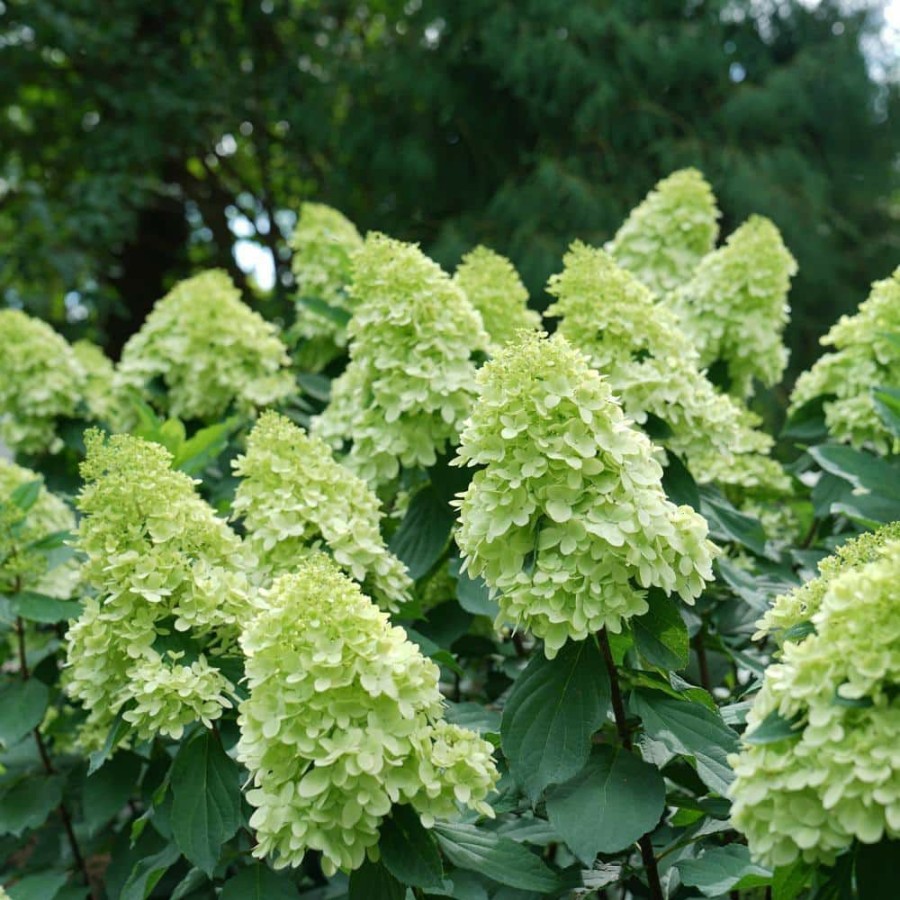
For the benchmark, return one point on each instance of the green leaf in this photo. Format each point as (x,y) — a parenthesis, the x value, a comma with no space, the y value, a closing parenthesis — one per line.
(107,791)
(887,405)
(334,313)
(679,484)
(496,857)
(861,469)
(206,807)
(473,716)
(774,728)
(409,851)
(553,710)
(51,541)
(41,608)
(196,454)
(423,533)
(692,730)
(798,631)
(728,524)
(146,873)
(26,495)
(372,881)
(660,635)
(28,803)
(22,708)
(473,594)
(870,510)
(117,731)
(876,873)
(44,886)
(614,800)
(193,880)
(258,882)
(807,423)
(788,882)
(720,869)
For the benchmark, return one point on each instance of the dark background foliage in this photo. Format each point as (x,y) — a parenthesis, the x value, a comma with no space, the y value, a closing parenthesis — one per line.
(136,137)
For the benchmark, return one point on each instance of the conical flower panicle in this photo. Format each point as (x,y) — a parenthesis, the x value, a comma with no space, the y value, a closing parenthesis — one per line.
(324,243)
(866,355)
(735,306)
(40,381)
(410,381)
(664,238)
(494,288)
(21,566)
(837,779)
(210,350)
(654,370)
(343,720)
(567,521)
(294,497)
(170,594)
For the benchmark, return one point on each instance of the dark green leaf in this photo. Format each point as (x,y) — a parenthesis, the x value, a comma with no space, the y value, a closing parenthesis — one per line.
(799,631)
(728,524)
(679,484)
(28,803)
(473,716)
(258,882)
(774,728)
(788,882)
(690,729)
(861,469)
(316,386)
(473,594)
(614,800)
(372,881)
(334,313)
(553,710)
(206,808)
(41,608)
(660,635)
(44,886)
(51,541)
(498,858)
(189,884)
(720,869)
(117,731)
(807,422)
(146,873)
(22,708)
(194,455)
(409,851)
(107,791)
(887,405)
(423,533)
(26,495)
(870,510)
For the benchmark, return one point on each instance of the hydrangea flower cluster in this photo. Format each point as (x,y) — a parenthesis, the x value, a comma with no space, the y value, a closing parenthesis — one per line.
(667,235)
(295,497)
(323,242)
(494,288)
(99,382)
(171,594)
(343,721)
(210,350)
(653,369)
(568,522)
(40,381)
(410,381)
(866,356)
(837,778)
(735,306)
(22,568)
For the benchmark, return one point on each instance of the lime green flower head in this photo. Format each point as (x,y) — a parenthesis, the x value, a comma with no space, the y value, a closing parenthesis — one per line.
(170,593)
(494,288)
(567,521)
(40,381)
(210,350)
(735,306)
(294,497)
(866,356)
(103,403)
(323,242)
(22,567)
(342,722)
(410,382)
(664,238)
(654,370)
(837,778)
